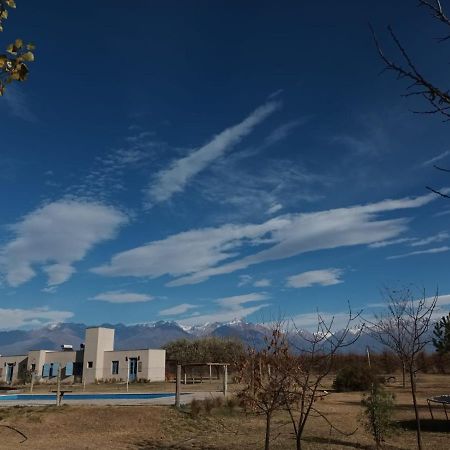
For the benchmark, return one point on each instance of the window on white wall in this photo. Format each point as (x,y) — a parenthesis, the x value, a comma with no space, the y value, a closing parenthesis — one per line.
(115,368)
(90,364)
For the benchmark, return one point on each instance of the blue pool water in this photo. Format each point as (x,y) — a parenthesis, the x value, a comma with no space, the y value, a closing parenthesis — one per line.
(83,396)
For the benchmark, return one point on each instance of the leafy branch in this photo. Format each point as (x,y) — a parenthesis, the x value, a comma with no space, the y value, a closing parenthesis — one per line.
(13,63)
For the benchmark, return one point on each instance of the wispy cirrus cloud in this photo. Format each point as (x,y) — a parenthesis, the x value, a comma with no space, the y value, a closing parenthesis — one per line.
(177,310)
(107,173)
(35,317)
(54,237)
(244,280)
(437,158)
(229,248)
(283,131)
(439,237)
(263,282)
(275,207)
(413,241)
(265,191)
(17,103)
(338,320)
(382,244)
(230,308)
(174,179)
(429,251)
(122,297)
(174,255)
(322,277)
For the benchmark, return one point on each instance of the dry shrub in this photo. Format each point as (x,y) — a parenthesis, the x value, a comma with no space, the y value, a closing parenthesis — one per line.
(196,407)
(231,404)
(208,405)
(355,378)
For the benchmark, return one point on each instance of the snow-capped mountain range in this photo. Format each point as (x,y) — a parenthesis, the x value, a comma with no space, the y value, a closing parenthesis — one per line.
(151,335)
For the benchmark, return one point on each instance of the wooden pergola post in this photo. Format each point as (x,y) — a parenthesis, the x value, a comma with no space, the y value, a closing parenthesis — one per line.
(58,387)
(225,379)
(32,382)
(178,386)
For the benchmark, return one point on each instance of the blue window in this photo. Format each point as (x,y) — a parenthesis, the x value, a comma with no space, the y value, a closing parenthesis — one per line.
(54,369)
(69,369)
(46,370)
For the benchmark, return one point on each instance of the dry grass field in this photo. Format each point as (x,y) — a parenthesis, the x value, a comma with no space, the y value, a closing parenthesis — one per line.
(148,427)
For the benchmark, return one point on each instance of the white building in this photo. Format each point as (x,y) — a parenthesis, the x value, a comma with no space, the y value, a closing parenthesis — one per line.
(96,360)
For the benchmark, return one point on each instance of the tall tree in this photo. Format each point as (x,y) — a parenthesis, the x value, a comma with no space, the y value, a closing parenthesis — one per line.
(13,63)
(419,84)
(403,328)
(441,338)
(266,378)
(312,361)
(203,350)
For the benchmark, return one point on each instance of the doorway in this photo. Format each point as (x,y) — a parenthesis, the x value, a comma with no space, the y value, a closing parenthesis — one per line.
(133,369)
(9,373)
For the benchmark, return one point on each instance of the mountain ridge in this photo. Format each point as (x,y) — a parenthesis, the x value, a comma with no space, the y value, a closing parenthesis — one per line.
(149,335)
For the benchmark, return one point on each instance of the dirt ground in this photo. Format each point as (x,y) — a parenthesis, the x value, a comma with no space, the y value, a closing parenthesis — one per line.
(149,427)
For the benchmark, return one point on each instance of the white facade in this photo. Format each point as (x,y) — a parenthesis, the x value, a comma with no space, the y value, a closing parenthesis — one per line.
(97,361)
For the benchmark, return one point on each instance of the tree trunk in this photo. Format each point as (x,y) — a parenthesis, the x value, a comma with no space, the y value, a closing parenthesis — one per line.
(416,409)
(298,436)
(267,443)
(299,441)
(403,374)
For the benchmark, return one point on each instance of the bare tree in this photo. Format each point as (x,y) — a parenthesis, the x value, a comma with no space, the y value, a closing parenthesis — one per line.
(312,362)
(403,328)
(265,375)
(419,84)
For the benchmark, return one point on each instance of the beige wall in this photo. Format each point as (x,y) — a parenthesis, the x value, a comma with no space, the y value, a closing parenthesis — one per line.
(98,341)
(151,363)
(36,357)
(157,365)
(20,366)
(41,357)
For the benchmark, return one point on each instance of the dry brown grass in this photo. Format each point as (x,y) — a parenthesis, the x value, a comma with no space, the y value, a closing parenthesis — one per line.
(147,427)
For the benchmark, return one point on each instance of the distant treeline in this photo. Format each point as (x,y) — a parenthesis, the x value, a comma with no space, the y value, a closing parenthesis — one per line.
(222,350)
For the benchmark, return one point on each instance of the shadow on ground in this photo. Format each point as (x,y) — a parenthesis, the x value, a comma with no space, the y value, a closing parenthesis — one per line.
(342,443)
(149,444)
(435,426)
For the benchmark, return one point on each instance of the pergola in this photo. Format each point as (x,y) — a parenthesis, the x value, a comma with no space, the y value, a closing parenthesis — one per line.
(210,365)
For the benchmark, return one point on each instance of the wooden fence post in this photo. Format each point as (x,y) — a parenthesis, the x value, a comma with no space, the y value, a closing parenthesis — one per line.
(178,386)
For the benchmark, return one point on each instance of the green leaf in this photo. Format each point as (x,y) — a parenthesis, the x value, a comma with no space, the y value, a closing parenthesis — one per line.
(11,49)
(28,56)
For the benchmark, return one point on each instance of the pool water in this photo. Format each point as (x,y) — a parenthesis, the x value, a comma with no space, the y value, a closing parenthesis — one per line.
(84,396)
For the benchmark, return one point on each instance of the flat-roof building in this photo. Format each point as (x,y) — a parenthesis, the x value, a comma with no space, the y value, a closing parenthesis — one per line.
(96,360)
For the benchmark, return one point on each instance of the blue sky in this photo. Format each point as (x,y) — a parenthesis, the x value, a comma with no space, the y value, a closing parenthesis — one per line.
(203,161)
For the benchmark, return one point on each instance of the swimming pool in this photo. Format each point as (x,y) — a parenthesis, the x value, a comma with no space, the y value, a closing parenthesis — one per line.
(50,397)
